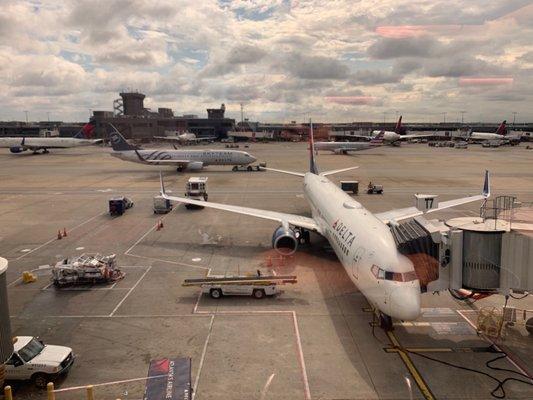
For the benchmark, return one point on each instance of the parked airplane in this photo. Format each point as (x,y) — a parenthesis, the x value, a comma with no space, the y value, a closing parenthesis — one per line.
(20,144)
(499,135)
(394,137)
(361,240)
(346,147)
(181,159)
(185,138)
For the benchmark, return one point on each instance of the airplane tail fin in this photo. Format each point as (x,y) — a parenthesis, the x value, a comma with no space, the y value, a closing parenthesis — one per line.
(502,129)
(398,128)
(312,165)
(378,139)
(118,142)
(86,132)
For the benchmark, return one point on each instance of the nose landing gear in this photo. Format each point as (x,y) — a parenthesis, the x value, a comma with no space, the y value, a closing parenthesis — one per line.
(385,322)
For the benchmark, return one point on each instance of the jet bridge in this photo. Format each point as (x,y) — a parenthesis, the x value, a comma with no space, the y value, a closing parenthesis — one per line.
(492,253)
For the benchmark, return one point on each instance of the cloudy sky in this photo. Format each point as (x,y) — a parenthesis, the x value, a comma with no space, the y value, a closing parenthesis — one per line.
(342,60)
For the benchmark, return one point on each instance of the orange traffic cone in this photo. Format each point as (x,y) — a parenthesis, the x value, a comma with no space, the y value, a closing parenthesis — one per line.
(64,232)
(59,236)
(158,226)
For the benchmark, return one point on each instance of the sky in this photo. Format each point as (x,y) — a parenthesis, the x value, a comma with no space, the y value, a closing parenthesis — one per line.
(333,61)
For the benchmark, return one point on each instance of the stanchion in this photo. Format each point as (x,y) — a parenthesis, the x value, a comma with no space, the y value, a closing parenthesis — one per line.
(8,393)
(90,392)
(50,395)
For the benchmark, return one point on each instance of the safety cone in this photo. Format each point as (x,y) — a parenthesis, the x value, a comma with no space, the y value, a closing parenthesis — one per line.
(161,223)
(59,236)
(64,232)
(158,226)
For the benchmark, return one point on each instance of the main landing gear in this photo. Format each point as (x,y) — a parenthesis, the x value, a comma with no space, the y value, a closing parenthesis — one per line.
(385,322)
(303,236)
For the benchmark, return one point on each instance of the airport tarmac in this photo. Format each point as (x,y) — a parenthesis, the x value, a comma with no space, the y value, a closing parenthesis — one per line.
(313,341)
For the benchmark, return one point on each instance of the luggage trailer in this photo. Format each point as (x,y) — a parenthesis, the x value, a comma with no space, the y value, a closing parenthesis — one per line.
(257,286)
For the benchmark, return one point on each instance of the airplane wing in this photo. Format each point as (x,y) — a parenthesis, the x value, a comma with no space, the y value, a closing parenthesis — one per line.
(291,219)
(415,136)
(410,212)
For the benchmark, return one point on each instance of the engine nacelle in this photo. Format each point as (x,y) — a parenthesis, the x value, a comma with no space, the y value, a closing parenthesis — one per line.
(195,166)
(17,149)
(284,241)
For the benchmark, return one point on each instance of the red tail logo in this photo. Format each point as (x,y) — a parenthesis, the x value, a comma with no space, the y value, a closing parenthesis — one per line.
(87,131)
(398,125)
(502,129)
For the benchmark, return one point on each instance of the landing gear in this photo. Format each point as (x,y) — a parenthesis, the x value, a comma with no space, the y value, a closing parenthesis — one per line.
(303,236)
(45,151)
(235,168)
(385,322)
(179,169)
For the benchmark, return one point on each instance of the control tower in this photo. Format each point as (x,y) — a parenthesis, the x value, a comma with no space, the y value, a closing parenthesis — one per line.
(133,103)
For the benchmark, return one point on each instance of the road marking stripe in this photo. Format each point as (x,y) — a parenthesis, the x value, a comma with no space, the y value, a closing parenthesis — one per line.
(129,291)
(424,388)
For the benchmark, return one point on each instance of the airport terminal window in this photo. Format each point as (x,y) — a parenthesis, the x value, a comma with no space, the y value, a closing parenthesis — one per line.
(380,273)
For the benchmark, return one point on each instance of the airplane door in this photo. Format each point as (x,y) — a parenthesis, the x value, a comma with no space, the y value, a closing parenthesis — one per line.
(357,256)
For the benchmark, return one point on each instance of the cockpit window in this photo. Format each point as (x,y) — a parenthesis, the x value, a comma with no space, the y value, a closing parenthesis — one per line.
(380,273)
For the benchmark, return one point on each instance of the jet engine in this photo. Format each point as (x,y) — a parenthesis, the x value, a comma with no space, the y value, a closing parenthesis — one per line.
(195,166)
(17,149)
(284,240)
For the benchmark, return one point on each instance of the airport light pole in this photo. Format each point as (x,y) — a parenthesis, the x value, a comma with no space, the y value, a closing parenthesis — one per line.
(26,112)
(514,117)
(463,117)
(48,115)
(444,114)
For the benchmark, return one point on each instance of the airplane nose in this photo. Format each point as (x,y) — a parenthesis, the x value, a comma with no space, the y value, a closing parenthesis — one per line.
(405,303)
(252,158)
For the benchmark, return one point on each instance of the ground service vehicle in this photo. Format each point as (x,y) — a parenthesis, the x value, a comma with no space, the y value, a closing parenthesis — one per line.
(41,363)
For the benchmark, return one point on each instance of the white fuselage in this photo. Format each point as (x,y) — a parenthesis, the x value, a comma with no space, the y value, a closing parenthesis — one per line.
(206,157)
(45,142)
(342,146)
(388,136)
(485,136)
(364,246)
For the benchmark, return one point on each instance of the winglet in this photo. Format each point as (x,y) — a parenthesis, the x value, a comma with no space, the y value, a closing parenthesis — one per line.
(486,185)
(162,185)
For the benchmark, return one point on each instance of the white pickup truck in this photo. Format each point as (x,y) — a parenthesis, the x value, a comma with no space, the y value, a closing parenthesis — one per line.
(33,360)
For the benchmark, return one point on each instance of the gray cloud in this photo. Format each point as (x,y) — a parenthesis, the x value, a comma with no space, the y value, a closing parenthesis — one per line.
(245,54)
(315,67)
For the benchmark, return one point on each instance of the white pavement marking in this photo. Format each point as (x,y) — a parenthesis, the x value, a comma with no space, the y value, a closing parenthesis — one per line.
(54,239)
(129,291)
(204,351)
(460,312)
(265,388)
(166,261)
(301,357)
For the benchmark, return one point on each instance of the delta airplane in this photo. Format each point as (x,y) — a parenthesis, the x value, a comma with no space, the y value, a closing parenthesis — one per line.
(185,138)
(346,147)
(361,240)
(393,137)
(20,144)
(190,160)
(499,135)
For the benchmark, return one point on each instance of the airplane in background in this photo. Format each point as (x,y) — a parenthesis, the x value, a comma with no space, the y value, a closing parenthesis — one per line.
(361,240)
(190,160)
(377,137)
(346,147)
(21,144)
(186,138)
(394,137)
(500,134)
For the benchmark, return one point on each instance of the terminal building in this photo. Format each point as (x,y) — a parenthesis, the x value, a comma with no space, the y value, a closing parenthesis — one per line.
(135,121)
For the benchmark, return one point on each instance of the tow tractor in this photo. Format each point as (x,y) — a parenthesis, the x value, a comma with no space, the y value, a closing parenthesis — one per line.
(196,189)
(249,168)
(257,286)
(374,188)
(86,269)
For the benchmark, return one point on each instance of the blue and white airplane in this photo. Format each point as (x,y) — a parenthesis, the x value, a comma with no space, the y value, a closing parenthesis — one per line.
(361,240)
